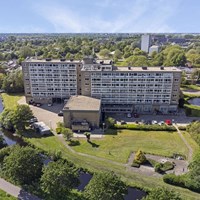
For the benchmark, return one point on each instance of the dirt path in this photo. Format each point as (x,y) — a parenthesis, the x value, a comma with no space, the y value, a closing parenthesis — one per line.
(189,158)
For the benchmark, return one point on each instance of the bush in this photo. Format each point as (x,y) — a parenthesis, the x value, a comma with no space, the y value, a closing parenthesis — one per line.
(110,122)
(140,158)
(163,167)
(174,180)
(167,166)
(135,164)
(58,130)
(152,162)
(153,127)
(158,167)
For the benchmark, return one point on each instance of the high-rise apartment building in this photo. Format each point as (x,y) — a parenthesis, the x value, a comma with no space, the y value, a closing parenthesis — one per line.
(121,89)
(47,80)
(145,42)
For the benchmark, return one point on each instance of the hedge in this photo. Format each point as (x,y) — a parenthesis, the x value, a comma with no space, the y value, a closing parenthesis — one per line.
(174,180)
(153,127)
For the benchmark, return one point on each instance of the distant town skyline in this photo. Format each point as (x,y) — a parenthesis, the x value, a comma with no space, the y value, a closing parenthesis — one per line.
(110,16)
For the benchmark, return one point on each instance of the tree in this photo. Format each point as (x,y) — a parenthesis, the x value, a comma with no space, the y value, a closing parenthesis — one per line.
(2,142)
(67,133)
(6,119)
(23,165)
(58,179)
(13,82)
(137,61)
(105,185)
(174,56)
(105,53)
(193,177)
(26,52)
(163,194)
(21,116)
(140,158)
(118,54)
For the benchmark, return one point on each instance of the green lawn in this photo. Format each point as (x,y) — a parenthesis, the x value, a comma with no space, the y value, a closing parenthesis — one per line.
(5,196)
(189,139)
(10,100)
(118,147)
(52,144)
(193,87)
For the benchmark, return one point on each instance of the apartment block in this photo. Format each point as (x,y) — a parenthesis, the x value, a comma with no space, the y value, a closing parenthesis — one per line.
(120,89)
(145,42)
(48,80)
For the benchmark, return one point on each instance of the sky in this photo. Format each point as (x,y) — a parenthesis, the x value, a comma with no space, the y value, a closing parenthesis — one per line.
(100,16)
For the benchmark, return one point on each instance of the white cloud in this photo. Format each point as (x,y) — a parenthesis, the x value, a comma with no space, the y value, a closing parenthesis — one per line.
(133,16)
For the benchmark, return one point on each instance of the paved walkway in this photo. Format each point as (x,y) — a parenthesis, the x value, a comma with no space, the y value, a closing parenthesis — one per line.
(16,191)
(189,158)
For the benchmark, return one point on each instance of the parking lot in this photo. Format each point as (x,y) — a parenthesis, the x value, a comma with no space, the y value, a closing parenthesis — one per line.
(181,119)
(46,114)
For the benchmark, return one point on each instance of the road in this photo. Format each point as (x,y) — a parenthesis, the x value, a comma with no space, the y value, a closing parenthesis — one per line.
(16,191)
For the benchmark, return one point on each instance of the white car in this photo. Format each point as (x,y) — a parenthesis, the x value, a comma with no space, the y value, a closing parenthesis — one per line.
(129,115)
(154,122)
(50,104)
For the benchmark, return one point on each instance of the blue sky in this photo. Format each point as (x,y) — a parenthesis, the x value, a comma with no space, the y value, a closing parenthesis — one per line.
(75,16)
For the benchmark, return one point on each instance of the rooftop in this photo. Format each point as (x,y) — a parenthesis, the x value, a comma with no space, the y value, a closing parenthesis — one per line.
(32,60)
(85,103)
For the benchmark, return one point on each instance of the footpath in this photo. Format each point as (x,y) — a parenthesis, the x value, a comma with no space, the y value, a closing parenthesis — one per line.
(16,191)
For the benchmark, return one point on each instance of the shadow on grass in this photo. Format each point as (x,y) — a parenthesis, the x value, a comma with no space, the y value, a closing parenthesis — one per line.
(93,144)
(30,133)
(111,132)
(74,143)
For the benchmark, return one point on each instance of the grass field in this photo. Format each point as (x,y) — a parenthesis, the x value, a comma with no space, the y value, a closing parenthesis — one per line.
(189,139)
(5,196)
(52,144)
(118,147)
(10,100)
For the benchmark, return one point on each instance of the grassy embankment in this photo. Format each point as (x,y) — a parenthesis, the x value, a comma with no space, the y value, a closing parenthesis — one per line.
(10,100)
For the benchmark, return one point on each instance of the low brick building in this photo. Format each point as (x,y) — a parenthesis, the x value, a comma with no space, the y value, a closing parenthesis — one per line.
(82,113)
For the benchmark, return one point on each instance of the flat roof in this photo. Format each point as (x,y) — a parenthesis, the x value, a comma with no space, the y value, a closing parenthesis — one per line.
(146,69)
(32,60)
(84,103)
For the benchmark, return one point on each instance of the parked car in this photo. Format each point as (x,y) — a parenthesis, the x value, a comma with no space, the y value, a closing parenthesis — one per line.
(38,104)
(154,122)
(123,122)
(161,123)
(129,115)
(50,104)
(136,115)
(168,122)
(33,120)
(60,113)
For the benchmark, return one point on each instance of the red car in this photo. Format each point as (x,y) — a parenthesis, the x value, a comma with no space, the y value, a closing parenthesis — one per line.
(168,122)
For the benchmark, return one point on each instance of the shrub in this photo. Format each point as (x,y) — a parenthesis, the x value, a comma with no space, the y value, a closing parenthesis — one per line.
(110,122)
(153,127)
(163,167)
(174,180)
(135,164)
(140,158)
(158,167)
(58,130)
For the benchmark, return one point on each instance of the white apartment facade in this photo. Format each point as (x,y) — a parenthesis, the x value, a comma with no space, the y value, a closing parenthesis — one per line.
(145,42)
(47,80)
(121,89)
(132,89)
